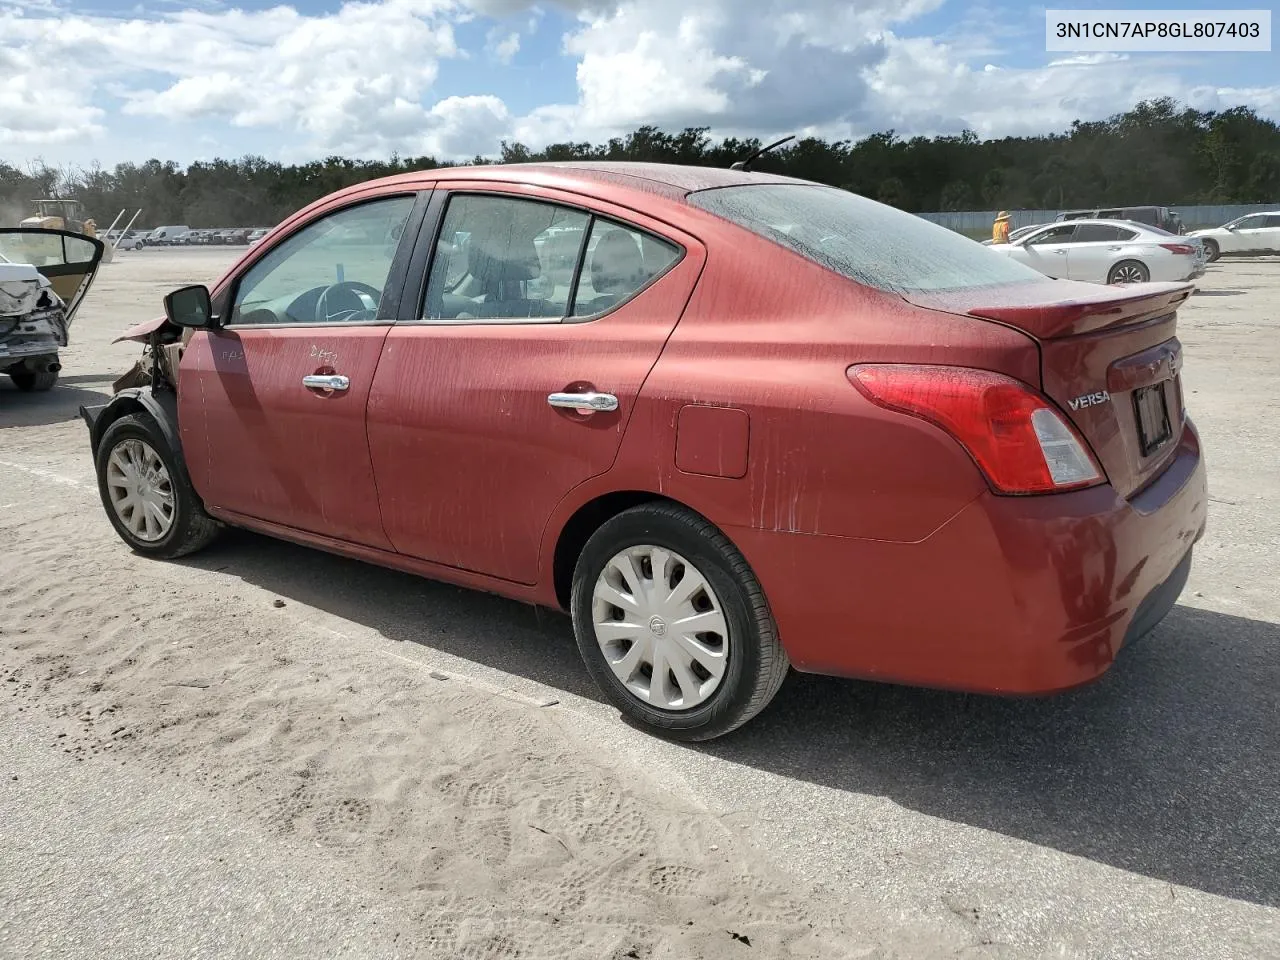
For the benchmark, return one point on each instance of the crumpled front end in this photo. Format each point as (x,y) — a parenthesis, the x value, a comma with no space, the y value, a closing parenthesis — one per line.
(33,320)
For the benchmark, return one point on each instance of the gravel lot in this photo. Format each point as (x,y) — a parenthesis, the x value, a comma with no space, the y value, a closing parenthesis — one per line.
(388,767)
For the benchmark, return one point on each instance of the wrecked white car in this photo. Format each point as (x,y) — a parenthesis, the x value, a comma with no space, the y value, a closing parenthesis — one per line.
(44,275)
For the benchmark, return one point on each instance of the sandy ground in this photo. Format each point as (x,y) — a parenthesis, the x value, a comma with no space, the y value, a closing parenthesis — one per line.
(265,751)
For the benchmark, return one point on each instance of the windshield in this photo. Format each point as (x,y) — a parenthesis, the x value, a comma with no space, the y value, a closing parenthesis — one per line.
(874,244)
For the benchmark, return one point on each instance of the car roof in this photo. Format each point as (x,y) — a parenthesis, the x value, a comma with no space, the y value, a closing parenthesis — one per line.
(594,178)
(1128,224)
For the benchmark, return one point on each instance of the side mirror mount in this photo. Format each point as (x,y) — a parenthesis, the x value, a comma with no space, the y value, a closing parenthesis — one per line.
(190,307)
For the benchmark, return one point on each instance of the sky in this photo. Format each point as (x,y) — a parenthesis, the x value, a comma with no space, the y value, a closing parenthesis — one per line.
(107,81)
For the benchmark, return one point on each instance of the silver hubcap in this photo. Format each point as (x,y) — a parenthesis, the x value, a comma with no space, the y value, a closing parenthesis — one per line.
(660,627)
(140,489)
(1128,274)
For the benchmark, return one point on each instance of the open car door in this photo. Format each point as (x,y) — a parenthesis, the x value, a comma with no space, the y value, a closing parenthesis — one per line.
(69,261)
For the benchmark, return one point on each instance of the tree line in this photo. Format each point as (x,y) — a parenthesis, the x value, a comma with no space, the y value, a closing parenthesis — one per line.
(1159,152)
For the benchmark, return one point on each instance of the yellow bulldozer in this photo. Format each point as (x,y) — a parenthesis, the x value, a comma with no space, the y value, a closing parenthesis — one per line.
(55,214)
(60,215)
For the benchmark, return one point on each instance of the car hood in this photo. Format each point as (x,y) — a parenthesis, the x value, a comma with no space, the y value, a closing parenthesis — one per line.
(1208,232)
(15,272)
(20,288)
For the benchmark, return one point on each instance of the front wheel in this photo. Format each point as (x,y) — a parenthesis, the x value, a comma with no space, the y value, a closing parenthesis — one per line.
(146,494)
(1129,271)
(673,625)
(1211,251)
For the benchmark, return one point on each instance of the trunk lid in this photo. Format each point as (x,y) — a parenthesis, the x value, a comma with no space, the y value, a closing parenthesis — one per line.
(1110,359)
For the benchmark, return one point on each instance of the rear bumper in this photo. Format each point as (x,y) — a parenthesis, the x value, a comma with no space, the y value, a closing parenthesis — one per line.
(1014,595)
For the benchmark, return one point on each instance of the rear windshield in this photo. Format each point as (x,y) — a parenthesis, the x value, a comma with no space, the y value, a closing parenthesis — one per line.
(869,242)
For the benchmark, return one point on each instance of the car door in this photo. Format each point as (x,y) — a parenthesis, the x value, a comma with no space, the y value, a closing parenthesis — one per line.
(1246,235)
(69,261)
(272,403)
(511,380)
(1046,251)
(1095,247)
(1270,234)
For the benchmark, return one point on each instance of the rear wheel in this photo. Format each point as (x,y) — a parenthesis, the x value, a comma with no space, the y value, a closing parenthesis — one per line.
(148,499)
(31,382)
(673,624)
(1129,271)
(1211,251)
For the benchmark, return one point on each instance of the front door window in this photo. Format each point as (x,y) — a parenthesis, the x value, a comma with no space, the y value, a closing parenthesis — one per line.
(331,271)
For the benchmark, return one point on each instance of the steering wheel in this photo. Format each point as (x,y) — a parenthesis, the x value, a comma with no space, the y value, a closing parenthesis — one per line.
(347,302)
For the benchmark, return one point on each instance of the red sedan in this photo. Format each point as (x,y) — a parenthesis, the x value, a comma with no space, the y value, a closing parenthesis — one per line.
(731,422)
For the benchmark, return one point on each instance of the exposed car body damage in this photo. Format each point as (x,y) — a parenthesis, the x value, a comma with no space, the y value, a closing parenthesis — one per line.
(44,275)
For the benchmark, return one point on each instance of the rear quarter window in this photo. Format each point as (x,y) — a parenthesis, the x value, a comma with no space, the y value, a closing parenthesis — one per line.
(873,244)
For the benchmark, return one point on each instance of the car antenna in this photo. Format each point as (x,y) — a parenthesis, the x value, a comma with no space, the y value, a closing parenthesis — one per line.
(746,164)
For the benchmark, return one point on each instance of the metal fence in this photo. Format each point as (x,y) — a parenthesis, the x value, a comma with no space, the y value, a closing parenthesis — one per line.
(1194,216)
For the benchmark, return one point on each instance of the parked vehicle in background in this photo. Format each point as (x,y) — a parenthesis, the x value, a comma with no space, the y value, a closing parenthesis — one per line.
(1106,251)
(753,423)
(133,240)
(1161,217)
(44,276)
(257,234)
(1254,233)
(167,236)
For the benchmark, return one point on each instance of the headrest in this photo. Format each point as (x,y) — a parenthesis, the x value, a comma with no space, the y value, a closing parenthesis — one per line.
(617,265)
(503,259)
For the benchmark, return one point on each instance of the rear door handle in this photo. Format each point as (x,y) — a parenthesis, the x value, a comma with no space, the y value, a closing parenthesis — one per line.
(584,402)
(326,381)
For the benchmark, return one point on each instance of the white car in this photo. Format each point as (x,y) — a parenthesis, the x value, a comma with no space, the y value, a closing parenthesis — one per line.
(1254,233)
(1107,251)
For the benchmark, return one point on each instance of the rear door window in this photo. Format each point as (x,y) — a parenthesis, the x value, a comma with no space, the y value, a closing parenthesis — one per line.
(509,259)
(1097,233)
(504,258)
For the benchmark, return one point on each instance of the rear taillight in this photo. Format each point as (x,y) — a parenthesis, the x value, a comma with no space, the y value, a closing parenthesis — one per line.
(1180,248)
(1016,436)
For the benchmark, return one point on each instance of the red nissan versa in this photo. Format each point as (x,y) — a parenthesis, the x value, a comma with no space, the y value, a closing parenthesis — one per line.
(731,422)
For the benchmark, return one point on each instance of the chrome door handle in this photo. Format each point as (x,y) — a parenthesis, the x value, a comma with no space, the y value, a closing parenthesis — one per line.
(585,402)
(326,381)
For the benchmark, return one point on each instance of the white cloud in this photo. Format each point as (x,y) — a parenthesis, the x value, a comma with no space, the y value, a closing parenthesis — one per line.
(503,48)
(352,81)
(361,79)
(835,69)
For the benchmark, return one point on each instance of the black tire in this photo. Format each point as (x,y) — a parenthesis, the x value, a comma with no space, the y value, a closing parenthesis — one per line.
(30,382)
(192,529)
(757,663)
(1143,274)
(1211,251)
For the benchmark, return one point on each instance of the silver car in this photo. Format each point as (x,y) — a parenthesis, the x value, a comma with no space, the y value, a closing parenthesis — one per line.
(1107,251)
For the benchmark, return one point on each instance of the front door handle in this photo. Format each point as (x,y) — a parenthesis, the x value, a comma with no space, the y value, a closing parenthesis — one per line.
(584,402)
(326,381)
